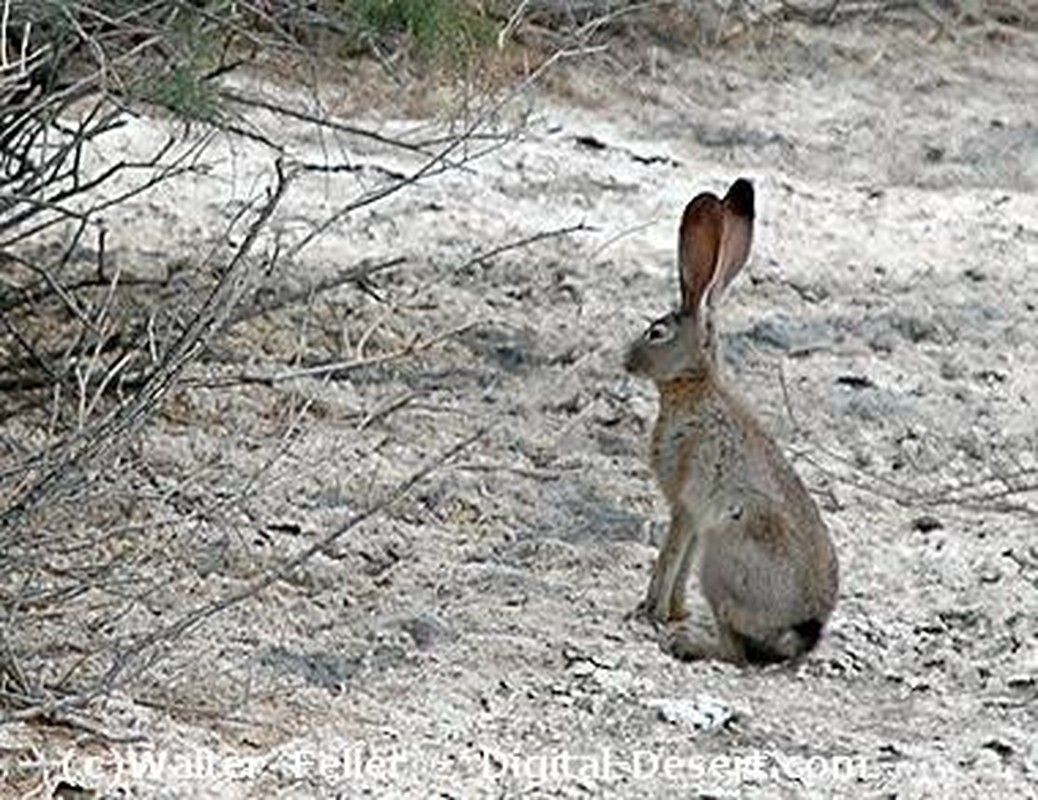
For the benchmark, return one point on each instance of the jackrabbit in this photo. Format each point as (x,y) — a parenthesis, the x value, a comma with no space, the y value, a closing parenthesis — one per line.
(766,564)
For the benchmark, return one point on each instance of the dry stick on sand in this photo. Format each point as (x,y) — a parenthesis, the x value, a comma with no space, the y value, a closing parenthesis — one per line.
(134,341)
(48,286)
(17,691)
(183,162)
(11,673)
(525,242)
(251,485)
(90,441)
(322,121)
(171,632)
(384,410)
(30,216)
(336,368)
(339,368)
(355,274)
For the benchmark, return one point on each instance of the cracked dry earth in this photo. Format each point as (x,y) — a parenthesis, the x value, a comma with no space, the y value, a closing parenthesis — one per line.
(473,640)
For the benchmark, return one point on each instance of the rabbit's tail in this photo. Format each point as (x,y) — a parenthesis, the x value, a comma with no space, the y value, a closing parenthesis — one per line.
(789,643)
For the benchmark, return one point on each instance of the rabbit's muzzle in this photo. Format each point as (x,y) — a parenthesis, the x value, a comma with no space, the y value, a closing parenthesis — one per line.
(637,360)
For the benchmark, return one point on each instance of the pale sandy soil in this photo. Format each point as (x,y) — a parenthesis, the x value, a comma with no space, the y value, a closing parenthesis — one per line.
(465,642)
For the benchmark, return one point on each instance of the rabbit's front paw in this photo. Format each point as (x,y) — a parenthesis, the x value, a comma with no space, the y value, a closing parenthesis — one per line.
(685,644)
(678,611)
(648,610)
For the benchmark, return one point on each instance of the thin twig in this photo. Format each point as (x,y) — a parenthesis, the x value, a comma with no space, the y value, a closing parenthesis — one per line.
(321,120)
(526,241)
(93,439)
(355,274)
(165,633)
(441,160)
(11,671)
(386,409)
(336,369)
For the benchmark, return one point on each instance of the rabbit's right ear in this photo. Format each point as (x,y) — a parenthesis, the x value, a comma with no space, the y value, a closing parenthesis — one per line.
(736,235)
(699,245)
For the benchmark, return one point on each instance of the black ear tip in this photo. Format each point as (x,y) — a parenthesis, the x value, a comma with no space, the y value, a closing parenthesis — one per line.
(740,197)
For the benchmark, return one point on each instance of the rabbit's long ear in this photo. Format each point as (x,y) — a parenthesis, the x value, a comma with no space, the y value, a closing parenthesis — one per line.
(699,245)
(736,235)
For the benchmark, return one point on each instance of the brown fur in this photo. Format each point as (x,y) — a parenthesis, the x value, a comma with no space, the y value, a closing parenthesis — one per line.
(767,565)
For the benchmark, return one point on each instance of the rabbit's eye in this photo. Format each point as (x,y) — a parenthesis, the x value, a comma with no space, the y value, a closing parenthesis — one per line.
(656,333)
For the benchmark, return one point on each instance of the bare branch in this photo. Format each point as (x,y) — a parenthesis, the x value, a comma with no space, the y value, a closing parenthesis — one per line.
(526,241)
(93,439)
(166,633)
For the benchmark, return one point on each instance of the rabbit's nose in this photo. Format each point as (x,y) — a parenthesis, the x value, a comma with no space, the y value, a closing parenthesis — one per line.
(632,360)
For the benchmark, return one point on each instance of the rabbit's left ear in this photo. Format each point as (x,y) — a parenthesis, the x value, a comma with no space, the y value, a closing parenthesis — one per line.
(699,248)
(736,236)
